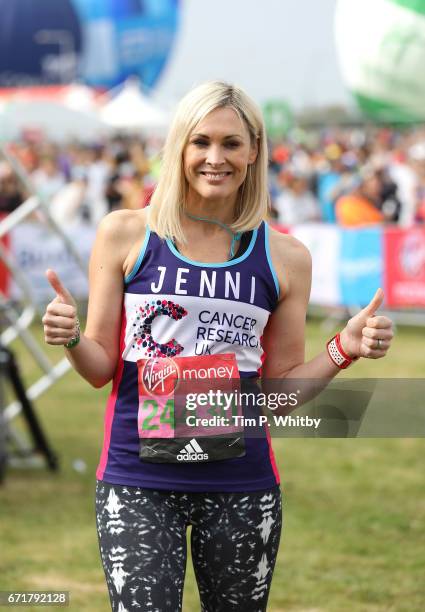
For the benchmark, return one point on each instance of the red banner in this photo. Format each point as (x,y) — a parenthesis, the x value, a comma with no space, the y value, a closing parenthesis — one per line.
(4,270)
(404,266)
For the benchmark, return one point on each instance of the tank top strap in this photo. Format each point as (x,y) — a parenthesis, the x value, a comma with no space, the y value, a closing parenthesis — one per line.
(261,255)
(259,250)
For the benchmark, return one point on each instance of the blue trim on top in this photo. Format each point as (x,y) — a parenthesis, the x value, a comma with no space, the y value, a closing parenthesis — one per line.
(223,264)
(139,260)
(269,259)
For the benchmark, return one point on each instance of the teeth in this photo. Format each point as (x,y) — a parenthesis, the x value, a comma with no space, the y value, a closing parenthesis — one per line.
(215,176)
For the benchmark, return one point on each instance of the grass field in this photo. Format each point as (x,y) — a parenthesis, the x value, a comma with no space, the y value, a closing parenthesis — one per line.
(354,510)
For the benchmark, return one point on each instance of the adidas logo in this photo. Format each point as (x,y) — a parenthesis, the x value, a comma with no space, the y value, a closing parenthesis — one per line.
(192,452)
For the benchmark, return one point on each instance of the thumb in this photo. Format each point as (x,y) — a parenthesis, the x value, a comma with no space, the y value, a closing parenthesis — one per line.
(61,291)
(374,303)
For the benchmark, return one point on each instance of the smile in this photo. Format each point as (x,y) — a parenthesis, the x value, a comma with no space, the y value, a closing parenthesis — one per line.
(215,176)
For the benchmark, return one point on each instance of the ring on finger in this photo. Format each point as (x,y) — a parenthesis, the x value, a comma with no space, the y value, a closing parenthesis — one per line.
(379,341)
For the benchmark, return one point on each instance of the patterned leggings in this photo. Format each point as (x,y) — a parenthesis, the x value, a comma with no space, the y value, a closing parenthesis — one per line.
(142,540)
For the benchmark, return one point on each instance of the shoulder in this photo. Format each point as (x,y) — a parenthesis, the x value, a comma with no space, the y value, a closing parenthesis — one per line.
(288,249)
(121,229)
(345,199)
(123,224)
(119,235)
(291,260)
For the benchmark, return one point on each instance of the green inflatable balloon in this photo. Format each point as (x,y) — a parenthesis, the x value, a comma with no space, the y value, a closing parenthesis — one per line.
(278,117)
(381,48)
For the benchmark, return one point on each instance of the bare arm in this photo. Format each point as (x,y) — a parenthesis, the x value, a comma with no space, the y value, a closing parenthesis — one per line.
(96,355)
(284,337)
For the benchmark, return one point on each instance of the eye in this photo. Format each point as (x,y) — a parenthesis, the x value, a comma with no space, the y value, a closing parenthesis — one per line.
(232,144)
(199,142)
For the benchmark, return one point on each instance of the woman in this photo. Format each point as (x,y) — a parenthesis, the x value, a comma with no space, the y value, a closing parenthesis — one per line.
(372,199)
(207,286)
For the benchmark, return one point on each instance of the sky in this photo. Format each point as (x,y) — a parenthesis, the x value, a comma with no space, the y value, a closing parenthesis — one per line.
(272,48)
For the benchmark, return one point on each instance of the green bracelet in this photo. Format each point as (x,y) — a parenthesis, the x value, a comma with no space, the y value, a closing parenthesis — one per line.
(76,339)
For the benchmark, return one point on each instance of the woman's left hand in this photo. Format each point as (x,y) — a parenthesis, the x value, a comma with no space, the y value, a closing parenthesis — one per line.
(366,334)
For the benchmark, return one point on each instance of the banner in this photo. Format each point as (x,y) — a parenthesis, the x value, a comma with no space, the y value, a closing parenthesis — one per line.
(35,248)
(404,256)
(4,272)
(348,265)
(360,265)
(324,243)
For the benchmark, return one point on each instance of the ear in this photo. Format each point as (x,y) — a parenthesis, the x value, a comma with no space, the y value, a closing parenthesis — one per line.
(253,152)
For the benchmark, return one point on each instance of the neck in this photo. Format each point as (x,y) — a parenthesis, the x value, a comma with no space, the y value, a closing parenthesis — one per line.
(217,210)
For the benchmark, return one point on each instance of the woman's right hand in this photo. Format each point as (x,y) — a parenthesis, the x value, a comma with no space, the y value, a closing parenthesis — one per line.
(60,319)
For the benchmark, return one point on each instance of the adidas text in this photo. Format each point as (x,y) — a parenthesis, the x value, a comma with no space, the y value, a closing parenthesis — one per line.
(192,456)
(192,452)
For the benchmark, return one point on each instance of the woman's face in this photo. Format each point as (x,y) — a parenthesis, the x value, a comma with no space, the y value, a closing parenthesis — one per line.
(372,188)
(217,155)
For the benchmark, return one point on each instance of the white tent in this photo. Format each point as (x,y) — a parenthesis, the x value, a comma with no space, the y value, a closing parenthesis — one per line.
(55,121)
(59,112)
(80,98)
(131,109)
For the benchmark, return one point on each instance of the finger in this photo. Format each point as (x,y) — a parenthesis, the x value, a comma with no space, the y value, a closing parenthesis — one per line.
(59,341)
(379,321)
(58,287)
(375,303)
(58,322)
(371,353)
(383,334)
(62,310)
(57,332)
(383,345)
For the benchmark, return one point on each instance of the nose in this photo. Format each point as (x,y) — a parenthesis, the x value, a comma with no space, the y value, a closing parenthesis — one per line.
(215,155)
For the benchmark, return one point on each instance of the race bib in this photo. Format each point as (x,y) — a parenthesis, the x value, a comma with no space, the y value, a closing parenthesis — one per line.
(188,409)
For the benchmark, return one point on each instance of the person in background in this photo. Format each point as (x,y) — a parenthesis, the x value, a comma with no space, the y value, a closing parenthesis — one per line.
(361,206)
(296,204)
(68,205)
(131,187)
(327,180)
(402,169)
(417,161)
(48,179)
(11,193)
(98,168)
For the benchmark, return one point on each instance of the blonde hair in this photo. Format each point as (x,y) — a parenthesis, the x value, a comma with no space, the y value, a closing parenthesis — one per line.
(169,198)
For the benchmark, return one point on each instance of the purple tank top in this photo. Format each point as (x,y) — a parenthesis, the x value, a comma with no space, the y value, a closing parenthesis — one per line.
(172,307)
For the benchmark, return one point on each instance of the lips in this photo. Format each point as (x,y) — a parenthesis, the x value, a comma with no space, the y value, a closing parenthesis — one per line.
(215,176)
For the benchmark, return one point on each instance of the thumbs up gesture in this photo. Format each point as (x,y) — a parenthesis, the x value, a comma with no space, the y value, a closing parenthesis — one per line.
(60,319)
(368,334)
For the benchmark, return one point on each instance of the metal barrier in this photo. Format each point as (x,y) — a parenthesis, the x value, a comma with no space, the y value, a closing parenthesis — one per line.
(18,326)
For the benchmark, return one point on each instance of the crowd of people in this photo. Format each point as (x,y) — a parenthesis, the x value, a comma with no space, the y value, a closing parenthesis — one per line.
(349,176)
(352,177)
(81,181)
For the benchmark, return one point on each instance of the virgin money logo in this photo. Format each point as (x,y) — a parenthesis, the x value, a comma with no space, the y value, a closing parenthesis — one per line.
(159,376)
(412,254)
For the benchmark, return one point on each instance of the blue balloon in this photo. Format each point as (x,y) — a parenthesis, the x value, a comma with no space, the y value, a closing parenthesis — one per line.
(39,42)
(99,42)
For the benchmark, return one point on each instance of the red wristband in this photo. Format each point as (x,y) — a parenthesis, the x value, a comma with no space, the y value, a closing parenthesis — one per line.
(337,354)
